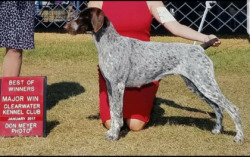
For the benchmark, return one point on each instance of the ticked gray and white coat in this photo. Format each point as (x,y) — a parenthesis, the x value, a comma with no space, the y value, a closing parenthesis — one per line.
(126,62)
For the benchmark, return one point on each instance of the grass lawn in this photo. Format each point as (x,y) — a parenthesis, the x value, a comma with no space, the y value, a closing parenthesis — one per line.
(180,123)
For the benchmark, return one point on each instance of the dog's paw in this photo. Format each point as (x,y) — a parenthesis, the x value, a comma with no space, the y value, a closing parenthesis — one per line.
(216,131)
(239,139)
(111,136)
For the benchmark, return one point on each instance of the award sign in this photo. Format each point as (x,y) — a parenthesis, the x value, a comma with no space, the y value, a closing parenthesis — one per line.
(23,106)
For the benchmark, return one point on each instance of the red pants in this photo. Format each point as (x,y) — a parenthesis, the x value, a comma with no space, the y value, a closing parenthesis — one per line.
(138,102)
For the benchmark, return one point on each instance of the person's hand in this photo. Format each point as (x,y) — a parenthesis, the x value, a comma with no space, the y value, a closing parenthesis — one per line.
(211,36)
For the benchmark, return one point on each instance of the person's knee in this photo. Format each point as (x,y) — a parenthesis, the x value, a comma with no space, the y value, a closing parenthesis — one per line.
(11,50)
(135,124)
(107,124)
(16,52)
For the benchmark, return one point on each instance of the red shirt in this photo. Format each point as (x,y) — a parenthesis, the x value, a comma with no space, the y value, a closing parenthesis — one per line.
(130,18)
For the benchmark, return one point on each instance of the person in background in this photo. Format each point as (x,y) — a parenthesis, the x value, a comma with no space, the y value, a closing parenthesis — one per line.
(16,33)
(133,19)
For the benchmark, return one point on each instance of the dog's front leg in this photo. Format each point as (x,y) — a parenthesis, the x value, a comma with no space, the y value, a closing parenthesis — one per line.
(115,93)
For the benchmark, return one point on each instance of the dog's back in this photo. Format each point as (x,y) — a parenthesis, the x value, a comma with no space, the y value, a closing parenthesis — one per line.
(150,61)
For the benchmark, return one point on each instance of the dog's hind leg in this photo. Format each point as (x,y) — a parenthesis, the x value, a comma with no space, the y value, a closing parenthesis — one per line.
(201,73)
(219,116)
(115,94)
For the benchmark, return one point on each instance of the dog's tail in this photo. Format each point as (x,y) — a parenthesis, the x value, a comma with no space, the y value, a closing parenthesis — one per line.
(209,43)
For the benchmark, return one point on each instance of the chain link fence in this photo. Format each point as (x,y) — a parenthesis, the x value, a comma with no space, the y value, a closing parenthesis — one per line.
(224,16)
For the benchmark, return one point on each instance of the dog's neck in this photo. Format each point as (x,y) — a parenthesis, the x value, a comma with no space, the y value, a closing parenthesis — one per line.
(105,33)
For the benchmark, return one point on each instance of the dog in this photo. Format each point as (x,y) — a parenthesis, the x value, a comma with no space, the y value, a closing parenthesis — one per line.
(126,62)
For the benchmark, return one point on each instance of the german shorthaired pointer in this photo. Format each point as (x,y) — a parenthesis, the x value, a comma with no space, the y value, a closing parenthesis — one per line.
(126,62)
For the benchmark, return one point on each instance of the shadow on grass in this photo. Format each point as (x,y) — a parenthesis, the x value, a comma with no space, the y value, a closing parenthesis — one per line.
(57,92)
(93,117)
(157,118)
(61,91)
(201,123)
(159,101)
(50,125)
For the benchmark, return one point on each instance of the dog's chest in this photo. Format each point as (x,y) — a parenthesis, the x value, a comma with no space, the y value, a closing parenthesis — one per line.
(112,59)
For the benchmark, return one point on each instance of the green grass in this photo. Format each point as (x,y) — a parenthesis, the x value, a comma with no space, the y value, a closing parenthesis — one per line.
(180,122)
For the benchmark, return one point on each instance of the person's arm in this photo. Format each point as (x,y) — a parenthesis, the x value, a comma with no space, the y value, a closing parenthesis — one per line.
(178,29)
(97,4)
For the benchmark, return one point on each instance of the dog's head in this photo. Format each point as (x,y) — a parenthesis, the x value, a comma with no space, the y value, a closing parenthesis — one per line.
(89,20)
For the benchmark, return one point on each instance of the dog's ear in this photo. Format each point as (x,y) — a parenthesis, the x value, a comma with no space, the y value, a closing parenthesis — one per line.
(97,19)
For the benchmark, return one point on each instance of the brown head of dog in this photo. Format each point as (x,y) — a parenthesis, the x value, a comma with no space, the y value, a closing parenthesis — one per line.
(89,20)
